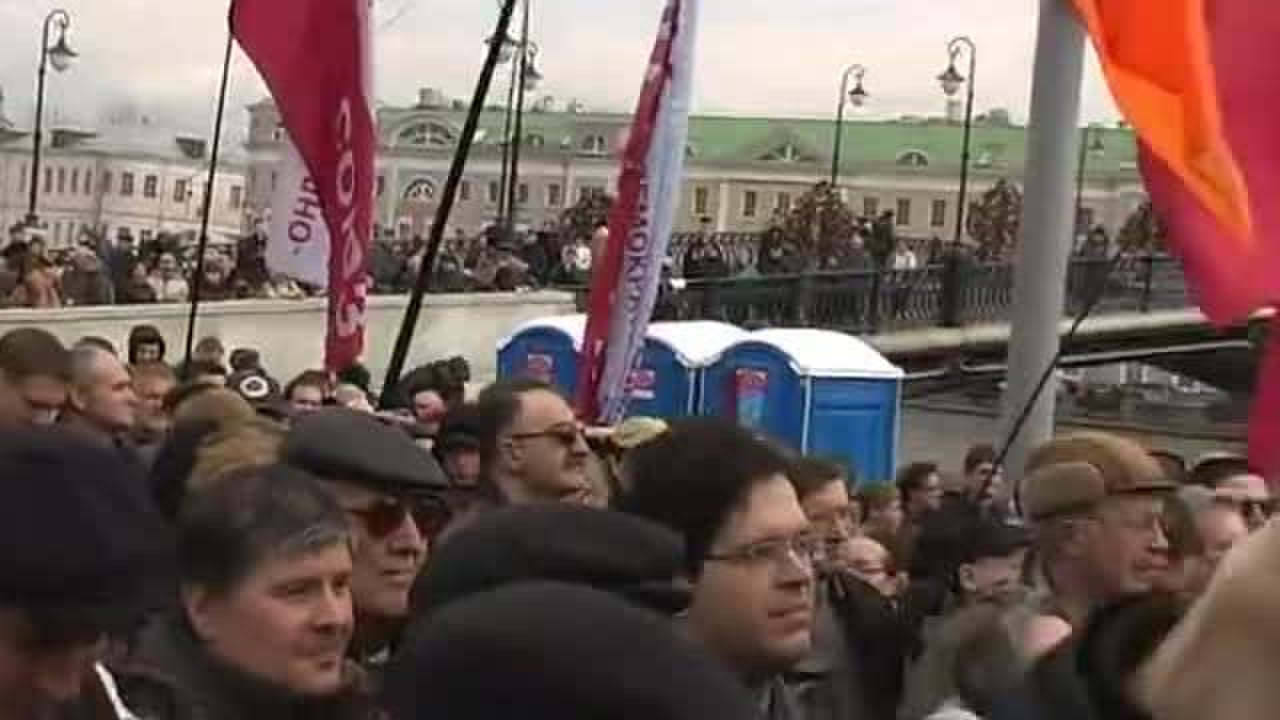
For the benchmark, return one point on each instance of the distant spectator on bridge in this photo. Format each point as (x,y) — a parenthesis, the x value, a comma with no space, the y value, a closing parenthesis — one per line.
(217,282)
(703,260)
(167,282)
(38,283)
(86,283)
(137,288)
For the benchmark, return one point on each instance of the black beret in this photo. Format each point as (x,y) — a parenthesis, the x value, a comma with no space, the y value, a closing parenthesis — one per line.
(358,448)
(460,429)
(78,532)
(610,551)
(545,651)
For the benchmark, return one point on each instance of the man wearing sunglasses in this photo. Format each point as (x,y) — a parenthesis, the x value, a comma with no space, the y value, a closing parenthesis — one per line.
(749,549)
(383,481)
(82,545)
(532,447)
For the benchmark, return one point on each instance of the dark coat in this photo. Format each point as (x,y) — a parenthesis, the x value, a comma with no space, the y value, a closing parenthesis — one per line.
(169,677)
(877,641)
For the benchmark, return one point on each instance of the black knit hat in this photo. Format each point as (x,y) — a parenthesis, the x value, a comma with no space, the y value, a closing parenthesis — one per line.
(78,535)
(610,551)
(550,652)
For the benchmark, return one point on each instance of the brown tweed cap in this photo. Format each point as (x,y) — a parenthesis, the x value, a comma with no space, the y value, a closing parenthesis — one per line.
(1074,473)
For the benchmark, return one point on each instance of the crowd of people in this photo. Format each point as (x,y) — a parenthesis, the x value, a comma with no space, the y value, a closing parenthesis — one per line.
(197,541)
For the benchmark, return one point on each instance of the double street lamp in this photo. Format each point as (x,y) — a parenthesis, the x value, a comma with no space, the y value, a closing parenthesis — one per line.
(59,55)
(951,81)
(856,97)
(525,78)
(1090,144)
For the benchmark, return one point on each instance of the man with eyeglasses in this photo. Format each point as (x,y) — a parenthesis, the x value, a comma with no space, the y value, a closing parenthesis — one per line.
(532,447)
(749,551)
(1096,502)
(1234,483)
(82,547)
(35,369)
(385,483)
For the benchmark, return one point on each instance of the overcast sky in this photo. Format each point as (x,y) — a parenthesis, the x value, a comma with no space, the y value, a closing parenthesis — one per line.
(780,57)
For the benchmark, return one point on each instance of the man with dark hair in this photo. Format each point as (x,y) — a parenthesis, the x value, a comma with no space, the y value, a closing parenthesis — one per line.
(66,586)
(748,548)
(152,383)
(982,479)
(921,490)
(34,370)
(532,447)
(974,498)
(308,391)
(1234,482)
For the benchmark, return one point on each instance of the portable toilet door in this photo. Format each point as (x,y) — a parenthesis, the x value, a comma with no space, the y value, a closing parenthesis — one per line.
(756,384)
(545,349)
(852,399)
(668,381)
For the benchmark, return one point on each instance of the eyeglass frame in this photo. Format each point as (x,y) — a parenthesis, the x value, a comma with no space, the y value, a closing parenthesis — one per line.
(803,551)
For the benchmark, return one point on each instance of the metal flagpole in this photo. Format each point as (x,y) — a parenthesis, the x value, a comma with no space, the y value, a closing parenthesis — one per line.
(1047,228)
(202,244)
(447,197)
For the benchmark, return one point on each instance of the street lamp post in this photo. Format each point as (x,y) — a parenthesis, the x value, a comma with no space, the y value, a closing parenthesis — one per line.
(60,57)
(506,52)
(857,96)
(529,80)
(951,81)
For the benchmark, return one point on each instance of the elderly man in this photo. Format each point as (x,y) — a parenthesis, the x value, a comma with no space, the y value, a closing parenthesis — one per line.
(34,370)
(102,404)
(381,479)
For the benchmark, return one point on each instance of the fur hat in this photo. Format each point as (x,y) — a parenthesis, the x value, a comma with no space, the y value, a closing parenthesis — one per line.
(1073,474)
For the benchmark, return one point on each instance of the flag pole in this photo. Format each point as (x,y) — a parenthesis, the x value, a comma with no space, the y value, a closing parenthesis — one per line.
(423,283)
(202,245)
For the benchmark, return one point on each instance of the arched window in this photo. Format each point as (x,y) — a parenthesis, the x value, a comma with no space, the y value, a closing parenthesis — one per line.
(784,153)
(913,158)
(420,190)
(593,145)
(426,135)
(535,141)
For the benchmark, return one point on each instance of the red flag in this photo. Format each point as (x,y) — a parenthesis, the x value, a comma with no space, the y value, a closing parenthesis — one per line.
(624,283)
(314,56)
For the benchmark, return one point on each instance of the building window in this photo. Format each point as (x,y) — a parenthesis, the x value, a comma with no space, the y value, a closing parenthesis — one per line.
(495,190)
(278,133)
(126,184)
(179,191)
(48,180)
(870,207)
(904,211)
(75,180)
(522,194)
(938,213)
(593,145)
(426,135)
(913,158)
(555,195)
(88,182)
(701,199)
(273,181)
(587,192)
(749,201)
(150,186)
(535,141)
(237,197)
(382,185)
(145,236)
(62,180)
(22,178)
(105,182)
(464,191)
(783,204)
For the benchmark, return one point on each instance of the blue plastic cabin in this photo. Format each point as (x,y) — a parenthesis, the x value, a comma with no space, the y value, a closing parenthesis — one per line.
(823,392)
(669,380)
(546,349)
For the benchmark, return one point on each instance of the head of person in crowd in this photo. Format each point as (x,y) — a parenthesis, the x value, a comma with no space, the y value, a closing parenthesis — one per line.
(265,601)
(457,447)
(983,479)
(228,450)
(429,408)
(1233,481)
(66,586)
(749,550)
(1174,464)
(980,659)
(101,400)
(204,372)
(377,474)
(211,350)
(614,444)
(532,447)
(245,360)
(882,514)
(991,561)
(1214,526)
(35,369)
(146,345)
(920,487)
(871,562)
(597,658)
(308,391)
(199,401)
(152,383)
(822,487)
(1097,503)
(352,397)
(99,342)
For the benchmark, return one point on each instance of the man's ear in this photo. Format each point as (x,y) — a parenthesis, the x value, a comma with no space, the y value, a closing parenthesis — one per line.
(965,576)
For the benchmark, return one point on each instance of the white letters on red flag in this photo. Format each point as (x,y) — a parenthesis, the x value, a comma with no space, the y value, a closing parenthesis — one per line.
(624,284)
(315,58)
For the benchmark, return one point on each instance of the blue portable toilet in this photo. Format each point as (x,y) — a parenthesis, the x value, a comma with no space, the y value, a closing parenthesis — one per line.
(668,381)
(546,349)
(823,392)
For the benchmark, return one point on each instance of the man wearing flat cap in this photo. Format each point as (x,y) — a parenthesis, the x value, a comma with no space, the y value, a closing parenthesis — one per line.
(79,547)
(380,478)
(1096,503)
